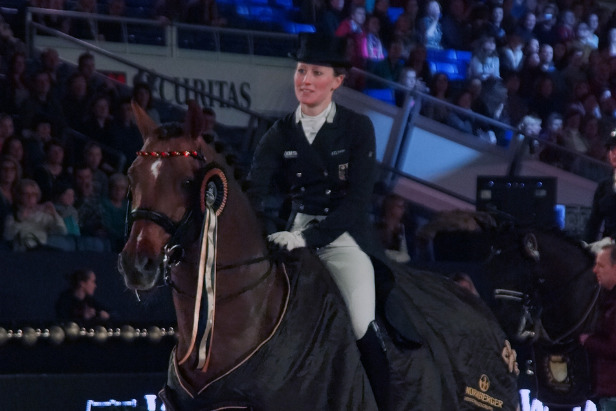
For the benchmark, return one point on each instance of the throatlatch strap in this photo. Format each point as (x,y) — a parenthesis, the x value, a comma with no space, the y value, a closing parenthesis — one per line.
(203,318)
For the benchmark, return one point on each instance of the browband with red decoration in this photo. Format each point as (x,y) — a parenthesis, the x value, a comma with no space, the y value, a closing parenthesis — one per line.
(163,154)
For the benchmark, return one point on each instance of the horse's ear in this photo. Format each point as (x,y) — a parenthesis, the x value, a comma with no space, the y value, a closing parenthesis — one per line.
(144,122)
(194,124)
(531,247)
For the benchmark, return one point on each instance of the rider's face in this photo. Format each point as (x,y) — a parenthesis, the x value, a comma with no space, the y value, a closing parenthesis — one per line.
(314,87)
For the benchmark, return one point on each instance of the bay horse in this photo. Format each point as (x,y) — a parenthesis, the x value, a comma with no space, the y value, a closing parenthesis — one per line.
(263,333)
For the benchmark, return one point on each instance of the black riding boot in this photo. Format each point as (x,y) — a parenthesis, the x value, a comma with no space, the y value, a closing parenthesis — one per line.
(373,358)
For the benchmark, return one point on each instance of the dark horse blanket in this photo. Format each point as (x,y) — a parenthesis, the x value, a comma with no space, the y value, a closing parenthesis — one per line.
(459,365)
(311,363)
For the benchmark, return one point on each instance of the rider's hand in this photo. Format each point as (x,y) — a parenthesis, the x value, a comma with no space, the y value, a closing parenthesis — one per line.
(287,240)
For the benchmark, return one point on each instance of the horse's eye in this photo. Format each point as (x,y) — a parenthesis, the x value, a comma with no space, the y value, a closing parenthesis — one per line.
(188,184)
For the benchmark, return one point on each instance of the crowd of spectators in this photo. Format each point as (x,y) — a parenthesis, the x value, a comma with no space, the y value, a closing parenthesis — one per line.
(67,136)
(551,63)
(528,57)
(541,58)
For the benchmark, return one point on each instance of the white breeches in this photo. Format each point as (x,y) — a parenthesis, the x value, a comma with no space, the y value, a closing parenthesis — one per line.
(352,271)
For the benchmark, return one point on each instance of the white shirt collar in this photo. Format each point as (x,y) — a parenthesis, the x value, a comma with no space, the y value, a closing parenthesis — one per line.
(330,115)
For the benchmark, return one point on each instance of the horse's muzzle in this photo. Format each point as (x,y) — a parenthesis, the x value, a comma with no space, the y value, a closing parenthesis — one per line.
(140,272)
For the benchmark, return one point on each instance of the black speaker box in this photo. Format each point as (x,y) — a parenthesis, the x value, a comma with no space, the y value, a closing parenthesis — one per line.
(529,200)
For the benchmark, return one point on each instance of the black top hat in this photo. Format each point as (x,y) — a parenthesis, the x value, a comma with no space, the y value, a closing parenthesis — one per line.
(321,49)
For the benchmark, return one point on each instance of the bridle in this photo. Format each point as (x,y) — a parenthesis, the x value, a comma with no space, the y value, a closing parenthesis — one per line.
(173,250)
(530,326)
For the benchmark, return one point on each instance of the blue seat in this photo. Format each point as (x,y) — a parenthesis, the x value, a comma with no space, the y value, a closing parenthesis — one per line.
(285,4)
(463,55)
(393,13)
(383,94)
(294,28)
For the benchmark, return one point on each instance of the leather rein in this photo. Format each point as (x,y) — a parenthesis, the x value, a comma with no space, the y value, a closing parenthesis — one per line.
(530,305)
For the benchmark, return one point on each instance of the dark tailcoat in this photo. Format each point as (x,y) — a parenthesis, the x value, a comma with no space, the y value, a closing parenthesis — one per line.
(603,211)
(333,177)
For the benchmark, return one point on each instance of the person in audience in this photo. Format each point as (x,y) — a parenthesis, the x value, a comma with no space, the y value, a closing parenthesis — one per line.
(485,62)
(84,27)
(76,101)
(93,158)
(459,120)
(31,223)
(551,133)
(546,58)
(610,48)
(545,29)
(391,229)
(408,78)
(64,202)
(51,172)
(167,11)
(511,55)
(14,89)
(77,302)
(204,12)
(97,125)
(418,60)
(493,28)
(405,28)
(57,70)
(386,25)
(126,136)
(565,29)
(439,88)
(112,30)
(96,83)
(142,94)
(390,67)
(42,103)
(55,21)
(34,144)
(89,208)
(113,208)
(430,26)
(10,174)
(14,147)
(572,138)
(593,25)
(600,342)
(455,26)
(526,26)
(371,46)
(7,128)
(596,143)
(330,18)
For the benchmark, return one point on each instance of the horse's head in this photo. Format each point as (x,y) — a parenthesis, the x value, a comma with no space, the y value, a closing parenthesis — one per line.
(543,282)
(164,213)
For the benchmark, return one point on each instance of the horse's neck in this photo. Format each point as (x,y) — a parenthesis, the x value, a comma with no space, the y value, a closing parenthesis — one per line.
(248,296)
(243,320)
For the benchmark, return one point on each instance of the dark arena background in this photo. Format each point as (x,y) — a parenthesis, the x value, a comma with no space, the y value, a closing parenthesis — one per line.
(47,365)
